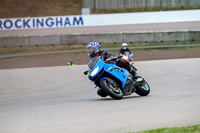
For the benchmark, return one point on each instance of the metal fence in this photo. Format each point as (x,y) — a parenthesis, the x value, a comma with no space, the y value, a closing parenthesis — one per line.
(125,4)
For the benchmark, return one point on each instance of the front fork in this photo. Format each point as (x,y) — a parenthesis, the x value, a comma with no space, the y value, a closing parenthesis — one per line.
(134,68)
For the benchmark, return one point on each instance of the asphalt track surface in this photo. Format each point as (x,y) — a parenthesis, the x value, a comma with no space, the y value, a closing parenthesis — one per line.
(176,26)
(62,99)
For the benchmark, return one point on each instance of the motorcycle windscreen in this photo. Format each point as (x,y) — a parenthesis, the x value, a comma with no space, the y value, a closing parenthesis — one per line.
(96,66)
(127,53)
(92,62)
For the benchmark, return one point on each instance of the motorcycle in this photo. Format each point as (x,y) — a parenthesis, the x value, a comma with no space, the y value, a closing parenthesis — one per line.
(113,80)
(127,55)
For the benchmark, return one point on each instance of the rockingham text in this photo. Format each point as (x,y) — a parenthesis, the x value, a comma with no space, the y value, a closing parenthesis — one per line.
(41,22)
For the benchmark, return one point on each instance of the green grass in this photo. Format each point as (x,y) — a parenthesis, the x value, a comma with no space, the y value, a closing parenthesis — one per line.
(19,50)
(188,129)
(150,44)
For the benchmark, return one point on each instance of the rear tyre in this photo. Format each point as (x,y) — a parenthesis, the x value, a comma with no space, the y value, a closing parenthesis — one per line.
(112,89)
(142,88)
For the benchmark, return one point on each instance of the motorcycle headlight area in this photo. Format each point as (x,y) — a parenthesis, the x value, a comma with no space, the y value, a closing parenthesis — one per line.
(125,57)
(94,72)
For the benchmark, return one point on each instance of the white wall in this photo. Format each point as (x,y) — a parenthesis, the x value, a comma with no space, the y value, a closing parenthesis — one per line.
(99,20)
(142,18)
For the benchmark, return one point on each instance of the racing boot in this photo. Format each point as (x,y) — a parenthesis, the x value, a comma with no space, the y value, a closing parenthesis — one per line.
(101,93)
(136,77)
(132,71)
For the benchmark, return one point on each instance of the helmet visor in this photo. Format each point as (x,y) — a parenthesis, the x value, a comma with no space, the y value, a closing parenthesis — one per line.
(90,49)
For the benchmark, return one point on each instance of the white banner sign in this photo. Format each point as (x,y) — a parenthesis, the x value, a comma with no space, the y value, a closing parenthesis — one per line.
(99,20)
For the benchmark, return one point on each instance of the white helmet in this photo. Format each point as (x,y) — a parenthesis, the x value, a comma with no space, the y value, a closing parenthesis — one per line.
(124,45)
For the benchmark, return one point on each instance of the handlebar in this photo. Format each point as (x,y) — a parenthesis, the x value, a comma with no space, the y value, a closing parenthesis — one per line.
(113,59)
(103,54)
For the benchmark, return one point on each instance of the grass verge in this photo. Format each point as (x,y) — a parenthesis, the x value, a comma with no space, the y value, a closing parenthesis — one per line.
(188,129)
(19,50)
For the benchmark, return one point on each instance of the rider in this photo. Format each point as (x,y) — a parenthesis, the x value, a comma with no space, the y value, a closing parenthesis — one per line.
(124,49)
(94,50)
(70,63)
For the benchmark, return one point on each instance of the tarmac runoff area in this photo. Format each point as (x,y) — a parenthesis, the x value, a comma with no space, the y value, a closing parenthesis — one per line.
(62,99)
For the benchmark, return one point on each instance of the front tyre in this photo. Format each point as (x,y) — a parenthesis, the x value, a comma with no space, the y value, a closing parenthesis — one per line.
(111,88)
(142,88)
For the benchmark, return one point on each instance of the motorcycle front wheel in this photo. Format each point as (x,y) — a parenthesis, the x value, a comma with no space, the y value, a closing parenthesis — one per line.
(142,88)
(112,89)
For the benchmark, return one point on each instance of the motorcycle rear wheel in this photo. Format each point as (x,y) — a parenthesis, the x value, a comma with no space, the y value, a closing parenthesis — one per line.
(143,88)
(113,91)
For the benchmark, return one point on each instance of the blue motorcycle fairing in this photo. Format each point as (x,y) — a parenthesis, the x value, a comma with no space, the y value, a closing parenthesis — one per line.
(119,73)
(99,63)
